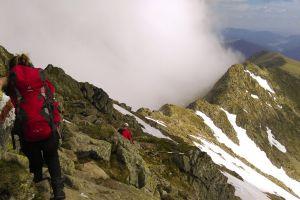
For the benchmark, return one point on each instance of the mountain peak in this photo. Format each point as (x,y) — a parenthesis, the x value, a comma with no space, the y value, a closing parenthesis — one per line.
(276,60)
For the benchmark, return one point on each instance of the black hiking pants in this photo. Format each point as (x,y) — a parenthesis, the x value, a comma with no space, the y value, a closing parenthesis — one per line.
(41,152)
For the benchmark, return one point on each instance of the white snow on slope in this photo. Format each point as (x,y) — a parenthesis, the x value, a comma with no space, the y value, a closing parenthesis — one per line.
(64,120)
(249,175)
(274,142)
(157,121)
(269,105)
(248,150)
(147,128)
(254,96)
(245,190)
(84,195)
(262,82)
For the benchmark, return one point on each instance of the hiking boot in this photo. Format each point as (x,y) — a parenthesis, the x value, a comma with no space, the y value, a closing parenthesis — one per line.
(38,175)
(58,189)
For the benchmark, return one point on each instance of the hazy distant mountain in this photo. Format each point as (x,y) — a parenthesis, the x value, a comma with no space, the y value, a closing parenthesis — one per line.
(245,47)
(293,53)
(250,41)
(263,38)
(292,42)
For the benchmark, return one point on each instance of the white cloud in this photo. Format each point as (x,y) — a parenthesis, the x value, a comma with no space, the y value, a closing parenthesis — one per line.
(143,52)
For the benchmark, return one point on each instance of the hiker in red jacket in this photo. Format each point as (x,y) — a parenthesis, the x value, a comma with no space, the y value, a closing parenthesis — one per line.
(125,132)
(37,120)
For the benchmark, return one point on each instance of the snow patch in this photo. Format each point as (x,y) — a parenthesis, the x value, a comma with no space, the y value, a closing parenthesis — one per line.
(248,150)
(262,82)
(146,127)
(274,142)
(64,120)
(254,96)
(179,153)
(249,175)
(245,110)
(245,190)
(279,106)
(157,121)
(218,133)
(84,195)
(269,105)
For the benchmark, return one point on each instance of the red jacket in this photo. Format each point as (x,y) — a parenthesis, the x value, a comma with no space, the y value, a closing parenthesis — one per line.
(126,134)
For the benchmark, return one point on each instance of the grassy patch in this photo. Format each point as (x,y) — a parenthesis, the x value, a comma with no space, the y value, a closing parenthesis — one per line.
(15,181)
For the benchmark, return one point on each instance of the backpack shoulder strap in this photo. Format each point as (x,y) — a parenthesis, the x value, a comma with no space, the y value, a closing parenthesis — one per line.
(49,101)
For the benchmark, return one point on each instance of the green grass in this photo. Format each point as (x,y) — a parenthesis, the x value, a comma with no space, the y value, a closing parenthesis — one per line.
(14,181)
(271,59)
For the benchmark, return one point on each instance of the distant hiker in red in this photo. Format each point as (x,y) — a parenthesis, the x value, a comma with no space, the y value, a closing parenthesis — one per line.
(125,132)
(37,120)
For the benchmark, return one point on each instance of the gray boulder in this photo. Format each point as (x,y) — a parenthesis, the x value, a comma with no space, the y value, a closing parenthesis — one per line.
(139,173)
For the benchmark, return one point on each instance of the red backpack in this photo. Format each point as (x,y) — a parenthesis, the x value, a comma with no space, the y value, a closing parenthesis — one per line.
(33,97)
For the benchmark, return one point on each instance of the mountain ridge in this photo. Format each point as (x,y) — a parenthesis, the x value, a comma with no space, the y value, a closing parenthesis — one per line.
(180,165)
(256,108)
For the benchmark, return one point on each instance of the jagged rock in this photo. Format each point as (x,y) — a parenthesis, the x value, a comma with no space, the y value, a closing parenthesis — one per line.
(209,181)
(5,56)
(65,85)
(103,131)
(85,145)
(67,164)
(139,173)
(183,162)
(97,97)
(94,171)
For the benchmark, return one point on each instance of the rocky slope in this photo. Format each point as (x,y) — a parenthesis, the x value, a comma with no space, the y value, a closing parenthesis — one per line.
(98,167)
(197,152)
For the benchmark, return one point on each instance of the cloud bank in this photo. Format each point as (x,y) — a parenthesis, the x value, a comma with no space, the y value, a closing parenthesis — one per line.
(142,52)
(275,15)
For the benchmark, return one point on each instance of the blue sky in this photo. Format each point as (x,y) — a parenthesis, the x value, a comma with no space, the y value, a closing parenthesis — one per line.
(275,15)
